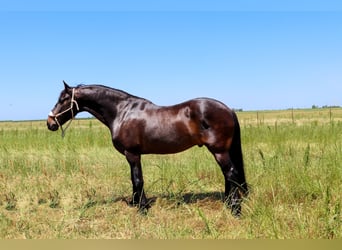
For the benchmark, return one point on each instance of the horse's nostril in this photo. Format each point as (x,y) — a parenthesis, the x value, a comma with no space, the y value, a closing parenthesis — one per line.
(52,126)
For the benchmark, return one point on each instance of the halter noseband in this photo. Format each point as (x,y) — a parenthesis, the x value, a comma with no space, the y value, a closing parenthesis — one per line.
(61,113)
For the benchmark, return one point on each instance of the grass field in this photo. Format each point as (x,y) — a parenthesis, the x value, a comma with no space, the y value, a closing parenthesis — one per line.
(77,187)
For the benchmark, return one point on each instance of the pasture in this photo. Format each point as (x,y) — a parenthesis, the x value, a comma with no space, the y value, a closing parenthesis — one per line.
(77,187)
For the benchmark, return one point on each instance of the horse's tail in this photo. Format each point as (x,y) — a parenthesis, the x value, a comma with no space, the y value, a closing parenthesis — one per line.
(235,153)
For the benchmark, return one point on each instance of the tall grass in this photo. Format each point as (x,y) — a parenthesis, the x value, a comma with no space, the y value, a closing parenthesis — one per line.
(78,187)
(297,171)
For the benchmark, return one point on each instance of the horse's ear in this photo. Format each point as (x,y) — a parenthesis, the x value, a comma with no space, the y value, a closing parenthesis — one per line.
(66,86)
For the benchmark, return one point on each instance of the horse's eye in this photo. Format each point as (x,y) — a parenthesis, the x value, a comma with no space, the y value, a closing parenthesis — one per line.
(63,99)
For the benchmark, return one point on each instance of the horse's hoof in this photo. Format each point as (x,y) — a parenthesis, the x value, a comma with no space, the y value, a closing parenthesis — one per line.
(131,203)
(143,211)
(236,211)
(235,207)
(144,206)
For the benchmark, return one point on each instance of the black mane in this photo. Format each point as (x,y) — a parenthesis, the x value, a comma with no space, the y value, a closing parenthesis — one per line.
(109,90)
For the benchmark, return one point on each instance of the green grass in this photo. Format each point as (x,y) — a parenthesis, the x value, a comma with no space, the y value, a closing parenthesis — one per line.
(77,187)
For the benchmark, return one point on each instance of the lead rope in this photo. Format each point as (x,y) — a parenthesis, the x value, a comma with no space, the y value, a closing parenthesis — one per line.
(72,113)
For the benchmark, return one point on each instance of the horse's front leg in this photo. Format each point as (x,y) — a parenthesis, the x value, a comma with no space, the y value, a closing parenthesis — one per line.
(138,197)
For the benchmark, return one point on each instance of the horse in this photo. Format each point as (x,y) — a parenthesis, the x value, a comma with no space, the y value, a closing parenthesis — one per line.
(138,127)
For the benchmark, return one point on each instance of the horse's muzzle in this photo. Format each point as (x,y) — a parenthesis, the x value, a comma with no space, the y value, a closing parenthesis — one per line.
(52,124)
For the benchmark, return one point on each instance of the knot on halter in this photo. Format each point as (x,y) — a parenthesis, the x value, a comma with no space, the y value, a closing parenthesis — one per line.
(71,108)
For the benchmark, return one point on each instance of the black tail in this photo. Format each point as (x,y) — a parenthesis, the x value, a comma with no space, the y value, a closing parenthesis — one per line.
(235,153)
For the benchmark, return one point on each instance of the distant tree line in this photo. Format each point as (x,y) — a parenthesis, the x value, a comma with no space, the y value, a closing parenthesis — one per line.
(313,107)
(238,110)
(325,106)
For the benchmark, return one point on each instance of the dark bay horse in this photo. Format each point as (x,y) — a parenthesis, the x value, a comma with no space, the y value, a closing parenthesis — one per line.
(139,127)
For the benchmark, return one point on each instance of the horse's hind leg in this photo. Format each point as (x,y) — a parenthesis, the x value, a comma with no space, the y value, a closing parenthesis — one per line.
(233,196)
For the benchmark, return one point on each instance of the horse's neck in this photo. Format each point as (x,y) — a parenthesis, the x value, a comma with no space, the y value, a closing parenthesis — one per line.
(101,106)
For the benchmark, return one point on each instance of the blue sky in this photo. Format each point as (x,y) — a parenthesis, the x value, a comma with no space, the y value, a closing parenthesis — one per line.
(249,56)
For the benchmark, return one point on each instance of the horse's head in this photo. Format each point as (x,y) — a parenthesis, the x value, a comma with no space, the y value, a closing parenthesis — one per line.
(65,109)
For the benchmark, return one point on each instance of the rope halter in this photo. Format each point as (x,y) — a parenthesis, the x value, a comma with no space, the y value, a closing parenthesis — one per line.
(71,108)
